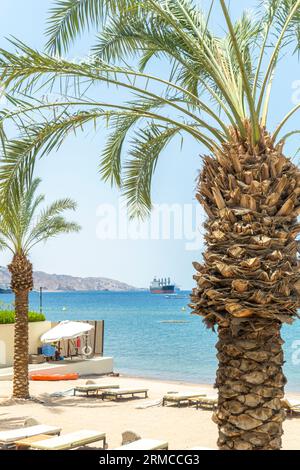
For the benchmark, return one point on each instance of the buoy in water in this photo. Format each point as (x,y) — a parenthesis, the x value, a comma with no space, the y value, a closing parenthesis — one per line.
(64,308)
(183,309)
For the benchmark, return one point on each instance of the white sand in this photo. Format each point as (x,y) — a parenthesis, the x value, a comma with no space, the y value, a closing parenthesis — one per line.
(182,427)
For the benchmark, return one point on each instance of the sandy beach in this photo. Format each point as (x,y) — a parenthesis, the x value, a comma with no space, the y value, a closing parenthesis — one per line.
(183,427)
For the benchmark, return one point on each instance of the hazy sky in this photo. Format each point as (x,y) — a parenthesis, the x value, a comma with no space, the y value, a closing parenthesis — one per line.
(73,172)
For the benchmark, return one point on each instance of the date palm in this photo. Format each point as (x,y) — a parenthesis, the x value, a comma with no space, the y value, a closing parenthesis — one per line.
(21,228)
(218,93)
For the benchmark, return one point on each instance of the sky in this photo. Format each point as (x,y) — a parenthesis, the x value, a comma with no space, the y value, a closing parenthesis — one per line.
(107,246)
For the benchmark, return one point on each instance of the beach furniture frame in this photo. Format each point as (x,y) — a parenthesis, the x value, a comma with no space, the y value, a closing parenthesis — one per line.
(93,389)
(204,402)
(27,443)
(117,394)
(181,397)
(145,444)
(70,441)
(9,438)
(291,406)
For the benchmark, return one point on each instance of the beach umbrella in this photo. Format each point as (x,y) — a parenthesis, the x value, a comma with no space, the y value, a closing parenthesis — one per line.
(66,330)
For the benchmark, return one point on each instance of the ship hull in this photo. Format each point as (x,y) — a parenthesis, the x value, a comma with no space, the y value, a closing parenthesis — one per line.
(163,290)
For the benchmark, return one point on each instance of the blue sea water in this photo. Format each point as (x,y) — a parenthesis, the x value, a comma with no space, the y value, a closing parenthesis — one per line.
(141,345)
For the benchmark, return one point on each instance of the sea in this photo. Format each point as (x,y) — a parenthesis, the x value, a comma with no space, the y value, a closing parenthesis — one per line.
(144,341)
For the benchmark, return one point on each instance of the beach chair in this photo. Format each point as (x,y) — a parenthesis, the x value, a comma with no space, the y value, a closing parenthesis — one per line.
(207,402)
(8,438)
(145,444)
(291,406)
(123,393)
(71,440)
(181,397)
(93,389)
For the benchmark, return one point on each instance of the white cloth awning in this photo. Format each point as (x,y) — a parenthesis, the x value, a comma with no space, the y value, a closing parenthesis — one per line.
(66,330)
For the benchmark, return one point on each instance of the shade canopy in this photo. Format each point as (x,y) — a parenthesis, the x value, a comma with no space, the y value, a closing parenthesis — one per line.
(66,330)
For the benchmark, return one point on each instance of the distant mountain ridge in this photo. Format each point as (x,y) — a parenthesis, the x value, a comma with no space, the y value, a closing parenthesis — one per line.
(64,282)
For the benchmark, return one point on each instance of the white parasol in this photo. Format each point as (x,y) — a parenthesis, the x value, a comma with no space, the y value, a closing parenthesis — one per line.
(66,330)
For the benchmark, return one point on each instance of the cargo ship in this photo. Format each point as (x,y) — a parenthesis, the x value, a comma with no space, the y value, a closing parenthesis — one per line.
(162,286)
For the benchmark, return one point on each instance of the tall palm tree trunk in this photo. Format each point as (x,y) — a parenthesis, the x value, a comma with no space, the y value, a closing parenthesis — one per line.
(21,284)
(251,384)
(248,285)
(20,381)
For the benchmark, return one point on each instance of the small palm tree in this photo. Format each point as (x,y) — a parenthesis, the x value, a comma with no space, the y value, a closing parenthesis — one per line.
(218,93)
(21,228)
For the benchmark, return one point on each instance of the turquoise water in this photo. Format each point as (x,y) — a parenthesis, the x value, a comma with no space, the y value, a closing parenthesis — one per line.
(142,345)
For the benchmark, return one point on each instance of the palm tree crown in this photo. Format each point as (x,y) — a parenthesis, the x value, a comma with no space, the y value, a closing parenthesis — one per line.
(22,226)
(215,83)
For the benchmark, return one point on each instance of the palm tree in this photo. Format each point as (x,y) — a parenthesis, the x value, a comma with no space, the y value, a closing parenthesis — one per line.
(21,228)
(218,92)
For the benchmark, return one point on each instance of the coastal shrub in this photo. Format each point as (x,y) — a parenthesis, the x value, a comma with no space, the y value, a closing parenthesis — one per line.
(8,316)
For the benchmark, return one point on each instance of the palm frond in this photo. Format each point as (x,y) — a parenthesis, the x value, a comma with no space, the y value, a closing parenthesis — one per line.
(110,166)
(146,147)
(282,13)
(56,226)
(285,120)
(51,223)
(243,72)
(20,226)
(68,19)
(215,82)
(19,69)
(291,11)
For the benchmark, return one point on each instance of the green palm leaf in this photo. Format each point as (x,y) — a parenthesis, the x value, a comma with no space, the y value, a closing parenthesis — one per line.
(69,18)
(21,225)
(146,147)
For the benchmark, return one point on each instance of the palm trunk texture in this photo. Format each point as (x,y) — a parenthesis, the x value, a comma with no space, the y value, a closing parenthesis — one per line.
(248,284)
(21,284)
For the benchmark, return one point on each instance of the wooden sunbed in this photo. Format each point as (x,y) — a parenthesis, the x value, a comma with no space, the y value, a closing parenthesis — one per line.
(145,444)
(27,443)
(291,406)
(210,402)
(124,392)
(71,440)
(8,438)
(93,389)
(181,397)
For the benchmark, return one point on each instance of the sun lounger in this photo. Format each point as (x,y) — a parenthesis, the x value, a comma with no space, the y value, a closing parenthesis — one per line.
(145,444)
(92,389)
(291,406)
(209,401)
(71,441)
(181,397)
(124,392)
(8,438)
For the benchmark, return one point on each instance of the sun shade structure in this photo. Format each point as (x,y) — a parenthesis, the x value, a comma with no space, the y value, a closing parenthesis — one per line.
(66,330)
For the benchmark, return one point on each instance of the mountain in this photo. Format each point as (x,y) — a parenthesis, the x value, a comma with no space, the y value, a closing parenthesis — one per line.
(63,282)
